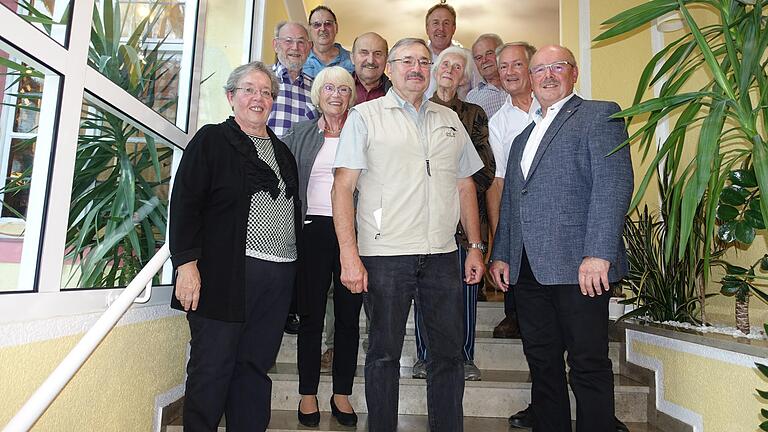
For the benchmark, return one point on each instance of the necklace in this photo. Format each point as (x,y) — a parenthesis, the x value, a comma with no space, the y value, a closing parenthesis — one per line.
(328,130)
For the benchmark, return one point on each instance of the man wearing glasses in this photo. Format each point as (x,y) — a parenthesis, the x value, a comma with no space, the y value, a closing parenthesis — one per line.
(559,242)
(411,162)
(325,51)
(293,103)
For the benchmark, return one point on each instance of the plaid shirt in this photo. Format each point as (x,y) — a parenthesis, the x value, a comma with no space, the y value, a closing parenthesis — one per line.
(293,103)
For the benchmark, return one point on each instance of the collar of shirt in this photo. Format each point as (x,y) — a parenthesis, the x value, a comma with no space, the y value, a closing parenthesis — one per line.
(485,85)
(359,83)
(343,54)
(408,107)
(453,104)
(531,111)
(282,74)
(537,115)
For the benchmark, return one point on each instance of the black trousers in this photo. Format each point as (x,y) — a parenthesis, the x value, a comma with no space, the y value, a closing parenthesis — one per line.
(319,264)
(228,361)
(558,318)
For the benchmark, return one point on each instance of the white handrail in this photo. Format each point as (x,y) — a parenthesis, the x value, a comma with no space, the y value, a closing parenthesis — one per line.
(34,408)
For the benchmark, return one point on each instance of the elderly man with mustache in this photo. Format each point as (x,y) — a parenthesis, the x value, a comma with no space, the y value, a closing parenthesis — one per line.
(369,54)
(411,161)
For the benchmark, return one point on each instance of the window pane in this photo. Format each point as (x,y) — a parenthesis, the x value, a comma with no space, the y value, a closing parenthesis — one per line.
(50,16)
(119,206)
(146,61)
(26,102)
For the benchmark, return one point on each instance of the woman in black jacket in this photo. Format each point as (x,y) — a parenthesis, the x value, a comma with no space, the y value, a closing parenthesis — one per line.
(234,221)
(313,143)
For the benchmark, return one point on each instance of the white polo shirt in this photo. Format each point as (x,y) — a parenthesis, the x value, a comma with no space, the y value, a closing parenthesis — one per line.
(503,127)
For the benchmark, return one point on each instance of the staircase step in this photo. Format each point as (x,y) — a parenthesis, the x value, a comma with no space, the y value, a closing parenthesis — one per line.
(501,393)
(490,353)
(285,421)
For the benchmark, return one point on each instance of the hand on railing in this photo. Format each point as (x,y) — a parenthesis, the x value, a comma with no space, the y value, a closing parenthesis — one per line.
(188,285)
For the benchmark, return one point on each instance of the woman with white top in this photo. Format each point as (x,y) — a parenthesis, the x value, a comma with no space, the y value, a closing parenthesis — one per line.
(314,143)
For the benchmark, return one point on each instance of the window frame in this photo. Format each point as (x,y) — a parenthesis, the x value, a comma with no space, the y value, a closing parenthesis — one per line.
(70,62)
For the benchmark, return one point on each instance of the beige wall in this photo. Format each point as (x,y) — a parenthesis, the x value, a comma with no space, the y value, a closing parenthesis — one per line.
(118,387)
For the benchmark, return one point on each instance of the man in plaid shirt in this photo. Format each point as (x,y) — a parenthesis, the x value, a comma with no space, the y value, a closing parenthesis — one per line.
(293,103)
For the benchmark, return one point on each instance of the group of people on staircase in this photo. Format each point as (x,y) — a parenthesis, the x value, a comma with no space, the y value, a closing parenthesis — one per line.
(378,174)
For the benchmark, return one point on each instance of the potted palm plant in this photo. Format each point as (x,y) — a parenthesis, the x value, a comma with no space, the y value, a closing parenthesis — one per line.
(729,113)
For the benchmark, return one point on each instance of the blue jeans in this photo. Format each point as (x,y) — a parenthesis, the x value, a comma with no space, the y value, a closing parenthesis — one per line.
(470,317)
(433,282)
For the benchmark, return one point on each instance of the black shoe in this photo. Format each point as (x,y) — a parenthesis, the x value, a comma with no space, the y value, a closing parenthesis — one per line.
(507,329)
(620,427)
(308,420)
(344,419)
(522,419)
(292,324)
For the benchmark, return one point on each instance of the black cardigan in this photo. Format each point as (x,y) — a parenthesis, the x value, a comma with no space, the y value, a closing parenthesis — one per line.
(211,198)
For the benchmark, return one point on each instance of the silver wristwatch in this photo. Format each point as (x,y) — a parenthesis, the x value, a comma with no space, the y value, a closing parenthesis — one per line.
(480,246)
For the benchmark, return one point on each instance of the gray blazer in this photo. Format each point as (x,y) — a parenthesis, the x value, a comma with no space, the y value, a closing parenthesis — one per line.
(304,140)
(572,204)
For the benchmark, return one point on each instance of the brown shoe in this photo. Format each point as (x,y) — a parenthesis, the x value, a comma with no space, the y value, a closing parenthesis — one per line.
(507,329)
(326,361)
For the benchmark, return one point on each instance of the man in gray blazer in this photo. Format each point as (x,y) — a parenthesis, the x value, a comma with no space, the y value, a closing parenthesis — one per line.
(559,243)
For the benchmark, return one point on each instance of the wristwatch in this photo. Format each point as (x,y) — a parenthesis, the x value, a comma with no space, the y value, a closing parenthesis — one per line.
(480,246)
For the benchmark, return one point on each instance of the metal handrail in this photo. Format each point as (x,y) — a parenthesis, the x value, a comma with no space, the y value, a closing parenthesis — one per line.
(34,408)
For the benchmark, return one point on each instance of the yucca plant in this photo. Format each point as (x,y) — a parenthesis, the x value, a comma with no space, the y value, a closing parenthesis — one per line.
(731,110)
(118,214)
(118,210)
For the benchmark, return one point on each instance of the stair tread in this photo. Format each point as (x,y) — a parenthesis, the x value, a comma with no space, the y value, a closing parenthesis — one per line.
(285,421)
(491,378)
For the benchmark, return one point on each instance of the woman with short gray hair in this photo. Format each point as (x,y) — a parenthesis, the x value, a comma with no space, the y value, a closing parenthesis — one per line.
(234,221)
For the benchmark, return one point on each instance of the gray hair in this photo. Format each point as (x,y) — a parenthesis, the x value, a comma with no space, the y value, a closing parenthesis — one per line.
(492,36)
(282,24)
(530,50)
(255,66)
(461,52)
(404,42)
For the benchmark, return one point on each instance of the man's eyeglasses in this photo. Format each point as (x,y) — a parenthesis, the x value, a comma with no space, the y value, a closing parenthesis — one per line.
(514,65)
(556,68)
(411,62)
(250,91)
(318,24)
(300,42)
(341,90)
(484,55)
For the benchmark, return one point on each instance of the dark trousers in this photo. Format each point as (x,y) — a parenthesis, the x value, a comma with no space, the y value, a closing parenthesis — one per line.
(558,318)
(432,282)
(470,317)
(228,361)
(320,263)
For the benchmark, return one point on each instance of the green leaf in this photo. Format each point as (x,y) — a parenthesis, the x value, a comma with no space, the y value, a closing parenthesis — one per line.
(730,289)
(754,219)
(726,213)
(727,232)
(706,51)
(744,232)
(754,204)
(735,270)
(764,267)
(636,17)
(734,195)
(760,294)
(743,178)
(661,103)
